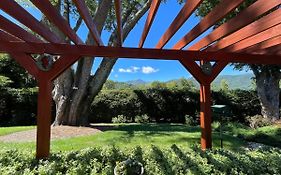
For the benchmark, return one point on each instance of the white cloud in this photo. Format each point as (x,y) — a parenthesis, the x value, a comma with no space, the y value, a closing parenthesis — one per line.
(149,70)
(132,69)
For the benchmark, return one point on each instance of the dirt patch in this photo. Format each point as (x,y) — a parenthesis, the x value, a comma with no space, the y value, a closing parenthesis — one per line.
(57,132)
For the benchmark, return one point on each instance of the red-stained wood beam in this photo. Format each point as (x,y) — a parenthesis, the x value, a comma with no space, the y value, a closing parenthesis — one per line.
(64,62)
(194,69)
(149,20)
(251,41)
(118,11)
(220,11)
(217,68)
(8,37)
(53,15)
(17,31)
(85,14)
(16,11)
(187,10)
(23,59)
(244,18)
(116,52)
(254,28)
(274,51)
(44,117)
(264,45)
(205,116)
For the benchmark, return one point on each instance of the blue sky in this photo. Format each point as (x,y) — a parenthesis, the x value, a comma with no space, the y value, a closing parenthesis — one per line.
(150,70)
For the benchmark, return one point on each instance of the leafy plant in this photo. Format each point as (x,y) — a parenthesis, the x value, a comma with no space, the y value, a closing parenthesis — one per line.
(120,119)
(258,121)
(142,118)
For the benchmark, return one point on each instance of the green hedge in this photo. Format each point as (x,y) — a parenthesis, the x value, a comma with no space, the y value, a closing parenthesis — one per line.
(18,106)
(169,105)
(159,104)
(156,161)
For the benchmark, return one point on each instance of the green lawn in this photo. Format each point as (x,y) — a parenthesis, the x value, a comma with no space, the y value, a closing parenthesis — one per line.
(132,135)
(9,130)
(161,135)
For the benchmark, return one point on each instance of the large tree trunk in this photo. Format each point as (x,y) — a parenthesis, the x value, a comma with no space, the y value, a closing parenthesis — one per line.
(74,91)
(268,92)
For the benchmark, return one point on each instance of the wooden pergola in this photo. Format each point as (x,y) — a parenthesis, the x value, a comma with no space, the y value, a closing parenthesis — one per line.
(253,36)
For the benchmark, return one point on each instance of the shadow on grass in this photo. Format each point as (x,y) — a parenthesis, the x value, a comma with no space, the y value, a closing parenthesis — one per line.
(263,138)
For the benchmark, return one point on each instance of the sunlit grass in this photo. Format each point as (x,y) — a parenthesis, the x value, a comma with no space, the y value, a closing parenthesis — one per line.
(132,135)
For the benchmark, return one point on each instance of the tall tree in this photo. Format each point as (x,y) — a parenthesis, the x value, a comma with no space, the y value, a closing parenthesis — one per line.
(75,89)
(267,77)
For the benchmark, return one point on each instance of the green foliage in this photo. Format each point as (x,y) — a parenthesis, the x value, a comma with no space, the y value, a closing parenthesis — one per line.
(191,121)
(19,78)
(18,106)
(258,121)
(161,105)
(224,85)
(128,167)
(169,161)
(4,81)
(142,118)
(120,119)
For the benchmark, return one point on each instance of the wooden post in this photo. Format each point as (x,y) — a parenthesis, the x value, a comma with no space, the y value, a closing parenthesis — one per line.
(205,116)
(43,118)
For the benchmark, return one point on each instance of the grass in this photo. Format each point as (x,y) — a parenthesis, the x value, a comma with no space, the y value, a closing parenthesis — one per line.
(10,130)
(132,135)
(161,135)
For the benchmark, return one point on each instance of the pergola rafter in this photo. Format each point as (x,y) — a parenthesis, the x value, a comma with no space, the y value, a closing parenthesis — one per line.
(253,37)
(84,12)
(52,14)
(149,20)
(20,14)
(256,27)
(187,10)
(220,11)
(244,18)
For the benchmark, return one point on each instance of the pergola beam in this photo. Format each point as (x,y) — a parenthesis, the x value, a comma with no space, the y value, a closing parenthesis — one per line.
(275,51)
(219,11)
(8,37)
(187,10)
(264,45)
(244,18)
(52,14)
(253,40)
(118,11)
(16,11)
(17,31)
(114,52)
(85,14)
(252,29)
(149,20)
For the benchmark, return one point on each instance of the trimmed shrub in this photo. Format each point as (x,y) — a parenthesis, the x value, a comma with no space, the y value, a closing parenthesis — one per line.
(156,161)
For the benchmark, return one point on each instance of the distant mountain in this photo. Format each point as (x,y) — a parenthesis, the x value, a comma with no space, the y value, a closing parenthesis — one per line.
(243,81)
(137,82)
